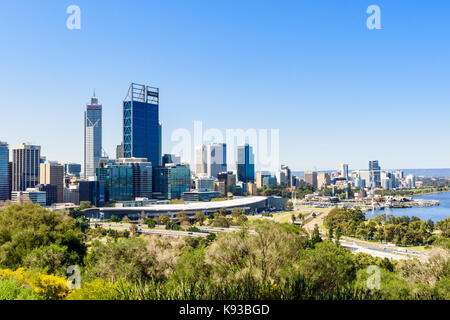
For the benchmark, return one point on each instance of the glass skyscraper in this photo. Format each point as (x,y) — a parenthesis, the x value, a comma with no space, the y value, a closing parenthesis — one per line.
(92,137)
(141,126)
(118,182)
(375,172)
(4,176)
(246,164)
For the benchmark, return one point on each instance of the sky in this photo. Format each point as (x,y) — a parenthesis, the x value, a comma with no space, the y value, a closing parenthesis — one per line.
(336,91)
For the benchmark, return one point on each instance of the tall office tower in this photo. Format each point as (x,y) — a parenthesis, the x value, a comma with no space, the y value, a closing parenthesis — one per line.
(311,178)
(52,173)
(142,176)
(344,171)
(200,159)
(92,137)
(288,175)
(141,126)
(25,168)
(216,159)
(160,144)
(9,179)
(375,171)
(119,151)
(245,164)
(4,170)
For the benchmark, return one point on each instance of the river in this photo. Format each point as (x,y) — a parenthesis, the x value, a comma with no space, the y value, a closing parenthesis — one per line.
(434,213)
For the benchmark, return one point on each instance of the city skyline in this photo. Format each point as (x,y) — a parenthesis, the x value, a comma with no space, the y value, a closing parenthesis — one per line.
(318,90)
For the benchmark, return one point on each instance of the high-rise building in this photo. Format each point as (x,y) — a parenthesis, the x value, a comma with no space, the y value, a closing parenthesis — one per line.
(216,159)
(375,171)
(92,137)
(142,176)
(52,173)
(4,171)
(323,178)
(141,126)
(260,176)
(203,183)
(25,168)
(311,178)
(281,177)
(200,159)
(170,158)
(118,181)
(172,180)
(51,193)
(119,151)
(288,175)
(344,171)
(72,169)
(245,164)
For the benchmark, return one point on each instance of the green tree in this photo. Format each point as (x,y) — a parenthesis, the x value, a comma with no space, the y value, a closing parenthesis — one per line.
(163,220)
(150,222)
(315,237)
(85,205)
(24,228)
(289,206)
(200,217)
(115,218)
(125,219)
(221,222)
(182,216)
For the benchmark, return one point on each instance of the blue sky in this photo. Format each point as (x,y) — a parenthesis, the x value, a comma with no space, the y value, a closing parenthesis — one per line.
(337,91)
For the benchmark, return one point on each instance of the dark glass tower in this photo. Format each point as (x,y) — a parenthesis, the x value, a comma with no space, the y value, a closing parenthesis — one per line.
(141,127)
(375,172)
(246,164)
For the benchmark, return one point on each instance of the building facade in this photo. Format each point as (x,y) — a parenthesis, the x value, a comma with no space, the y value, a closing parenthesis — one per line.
(141,126)
(216,159)
(4,171)
(92,137)
(311,178)
(245,164)
(25,167)
(52,173)
(200,159)
(172,181)
(375,171)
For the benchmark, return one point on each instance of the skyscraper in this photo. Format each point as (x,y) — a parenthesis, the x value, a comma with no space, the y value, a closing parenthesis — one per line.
(245,164)
(311,178)
(216,159)
(52,173)
(25,168)
(142,176)
(92,137)
(141,126)
(375,172)
(287,174)
(4,177)
(344,171)
(200,159)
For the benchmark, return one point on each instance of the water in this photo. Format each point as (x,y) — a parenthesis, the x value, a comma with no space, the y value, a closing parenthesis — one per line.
(434,213)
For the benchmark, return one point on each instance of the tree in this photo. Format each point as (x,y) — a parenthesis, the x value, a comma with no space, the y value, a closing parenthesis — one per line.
(85,205)
(125,219)
(182,216)
(150,223)
(236,213)
(172,226)
(163,220)
(134,230)
(200,217)
(289,206)
(221,222)
(315,237)
(338,234)
(24,228)
(115,218)
(330,234)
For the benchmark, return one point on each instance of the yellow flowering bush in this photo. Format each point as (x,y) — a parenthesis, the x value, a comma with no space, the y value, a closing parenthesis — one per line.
(50,287)
(97,289)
